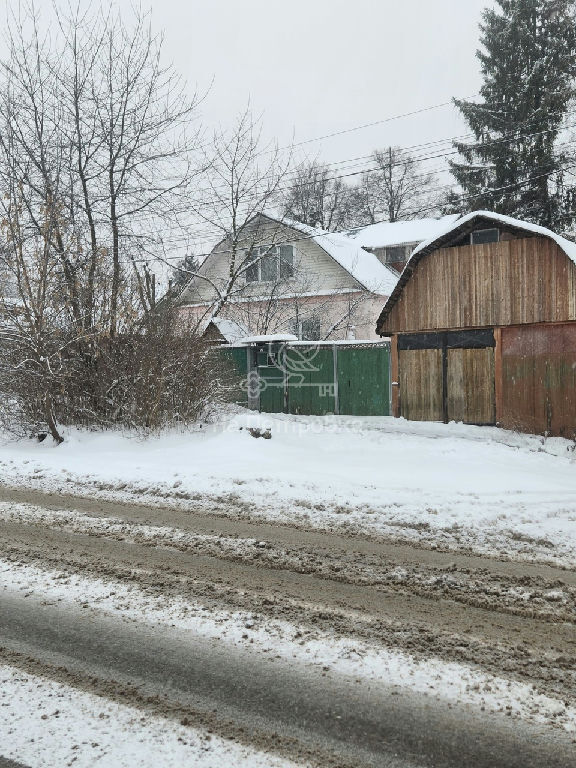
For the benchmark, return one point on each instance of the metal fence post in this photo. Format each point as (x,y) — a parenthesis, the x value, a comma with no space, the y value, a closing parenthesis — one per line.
(336,390)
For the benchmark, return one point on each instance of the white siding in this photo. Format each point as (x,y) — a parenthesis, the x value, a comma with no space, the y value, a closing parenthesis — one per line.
(315,270)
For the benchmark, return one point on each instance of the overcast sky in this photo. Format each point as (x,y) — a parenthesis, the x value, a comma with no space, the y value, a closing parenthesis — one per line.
(318,67)
(313,67)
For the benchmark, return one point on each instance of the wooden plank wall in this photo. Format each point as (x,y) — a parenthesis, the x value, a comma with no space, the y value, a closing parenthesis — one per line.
(421,387)
(394,375)
(539,379)
(471,393)
(508,283)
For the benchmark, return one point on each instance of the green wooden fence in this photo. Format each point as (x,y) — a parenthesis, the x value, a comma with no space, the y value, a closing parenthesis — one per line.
(346,379)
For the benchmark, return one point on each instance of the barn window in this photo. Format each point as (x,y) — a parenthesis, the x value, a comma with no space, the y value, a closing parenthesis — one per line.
(483,236)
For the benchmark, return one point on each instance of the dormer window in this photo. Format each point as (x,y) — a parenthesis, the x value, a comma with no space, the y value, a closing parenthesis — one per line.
(484,236)
(395,254)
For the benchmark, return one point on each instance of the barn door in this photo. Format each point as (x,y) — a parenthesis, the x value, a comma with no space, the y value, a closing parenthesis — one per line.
(420,379)
(447,376)
(470,386)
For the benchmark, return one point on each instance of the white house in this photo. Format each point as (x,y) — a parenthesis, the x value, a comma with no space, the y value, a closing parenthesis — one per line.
(280,276)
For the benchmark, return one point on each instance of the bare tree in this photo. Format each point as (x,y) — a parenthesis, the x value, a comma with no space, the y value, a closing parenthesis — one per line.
(35,328)
(128,124)
(241,181)
(397,188)
(316,197)
(96,164)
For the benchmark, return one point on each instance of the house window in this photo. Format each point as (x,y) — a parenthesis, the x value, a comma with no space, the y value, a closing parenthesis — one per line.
(270,263)
(8,289)
(397,254)
(310,328)
(268,268)
(286,255)
(483,236)
(253,271)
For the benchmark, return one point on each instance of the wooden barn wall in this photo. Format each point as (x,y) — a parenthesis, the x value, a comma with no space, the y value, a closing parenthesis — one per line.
(538,392)
(421,385)
(470,386)
(508,283)
(447,385)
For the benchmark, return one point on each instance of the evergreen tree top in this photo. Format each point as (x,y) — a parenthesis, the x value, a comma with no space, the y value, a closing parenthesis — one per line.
(528,66)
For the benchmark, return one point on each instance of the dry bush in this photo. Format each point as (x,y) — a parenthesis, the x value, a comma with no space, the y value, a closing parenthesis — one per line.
(146,381)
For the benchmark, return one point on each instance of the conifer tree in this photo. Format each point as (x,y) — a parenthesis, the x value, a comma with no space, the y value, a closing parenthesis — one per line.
(184,271)
(515,165)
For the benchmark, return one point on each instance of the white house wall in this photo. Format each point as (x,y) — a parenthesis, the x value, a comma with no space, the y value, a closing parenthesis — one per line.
(318,271)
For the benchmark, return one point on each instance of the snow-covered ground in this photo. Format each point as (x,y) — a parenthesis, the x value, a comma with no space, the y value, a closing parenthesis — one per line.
(452,682)
(446,485)
(46,724)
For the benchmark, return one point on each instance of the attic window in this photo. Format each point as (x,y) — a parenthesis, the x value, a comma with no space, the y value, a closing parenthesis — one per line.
(270,264)
(483,236)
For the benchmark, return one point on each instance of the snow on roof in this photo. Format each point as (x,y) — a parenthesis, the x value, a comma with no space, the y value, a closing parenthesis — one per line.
(443,236)
(268,339)
(387,233)
(567,246)
(362,265)
(229,329)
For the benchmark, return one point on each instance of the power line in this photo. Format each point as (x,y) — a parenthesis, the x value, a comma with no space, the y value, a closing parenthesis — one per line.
(510,137)
(371,125)
(376,169)
(462,198)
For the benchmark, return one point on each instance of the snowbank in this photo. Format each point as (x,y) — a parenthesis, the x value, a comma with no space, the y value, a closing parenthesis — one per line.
(445,485)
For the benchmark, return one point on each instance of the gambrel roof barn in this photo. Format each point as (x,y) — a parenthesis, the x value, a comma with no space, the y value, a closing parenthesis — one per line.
(483,321)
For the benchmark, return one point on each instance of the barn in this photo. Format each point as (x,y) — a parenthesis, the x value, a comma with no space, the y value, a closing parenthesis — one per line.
(483,328)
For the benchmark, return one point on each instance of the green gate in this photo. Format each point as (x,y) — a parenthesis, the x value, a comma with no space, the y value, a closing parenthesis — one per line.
(311,390)
(271,386)
(236,373)
(364,380)
(315,380)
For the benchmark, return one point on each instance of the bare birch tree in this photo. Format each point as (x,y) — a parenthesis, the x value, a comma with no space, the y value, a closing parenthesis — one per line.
(241,179)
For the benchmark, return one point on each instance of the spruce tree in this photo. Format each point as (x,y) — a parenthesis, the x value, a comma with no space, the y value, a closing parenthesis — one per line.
(184,272)
(515,165)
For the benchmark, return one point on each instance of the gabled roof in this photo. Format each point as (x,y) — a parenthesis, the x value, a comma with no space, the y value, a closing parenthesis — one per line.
(230,330)
(386,233)
(363,266)
(453,232)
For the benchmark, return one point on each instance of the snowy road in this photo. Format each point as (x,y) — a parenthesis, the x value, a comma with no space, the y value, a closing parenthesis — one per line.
(333,718)
(349,648)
